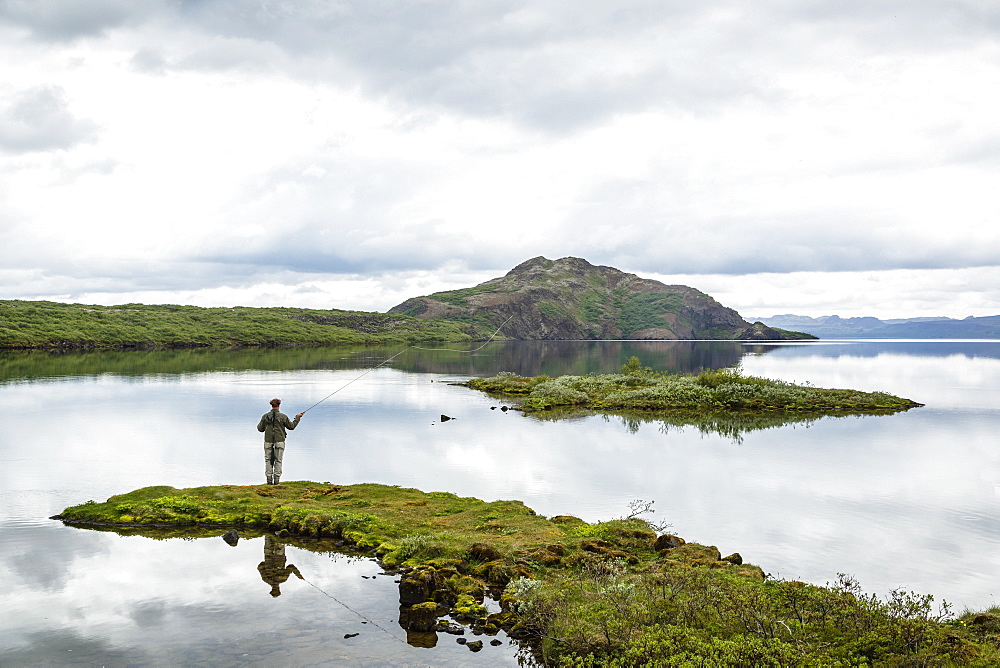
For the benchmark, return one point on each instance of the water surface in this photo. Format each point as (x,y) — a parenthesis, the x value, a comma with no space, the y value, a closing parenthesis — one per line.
(907,500)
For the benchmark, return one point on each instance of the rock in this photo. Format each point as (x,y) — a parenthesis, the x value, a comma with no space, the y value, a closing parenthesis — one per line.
(735,559)
(475,645)
(667,542)
(281,533)
(986,622)
(231,537)
(496,643)
(568,520)
(500,572)
(445,418)
(351,635)
(419,617)
(520,632)
(425,639)
(484,552)
(607,550)
(461,641)
(418,585)
(542,555)
(450,628)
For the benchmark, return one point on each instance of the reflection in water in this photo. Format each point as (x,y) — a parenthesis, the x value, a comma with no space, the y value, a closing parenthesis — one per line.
(577,358)
(734,426)
(273,570)
(527,358)
(142,601)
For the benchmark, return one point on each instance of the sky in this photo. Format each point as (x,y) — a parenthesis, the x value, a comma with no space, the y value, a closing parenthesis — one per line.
(784,156)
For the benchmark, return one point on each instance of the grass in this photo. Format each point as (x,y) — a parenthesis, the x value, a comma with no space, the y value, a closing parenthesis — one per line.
(52,325)
(605,594)
(389,520)
(723,391)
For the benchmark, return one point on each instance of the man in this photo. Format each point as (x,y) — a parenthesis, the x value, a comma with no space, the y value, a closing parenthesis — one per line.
(273,425)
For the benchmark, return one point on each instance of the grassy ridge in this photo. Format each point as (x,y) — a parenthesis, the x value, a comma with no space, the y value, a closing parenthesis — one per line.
(610,593)
(51,325)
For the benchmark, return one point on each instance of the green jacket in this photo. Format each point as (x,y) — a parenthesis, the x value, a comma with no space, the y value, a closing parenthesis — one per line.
(274,424)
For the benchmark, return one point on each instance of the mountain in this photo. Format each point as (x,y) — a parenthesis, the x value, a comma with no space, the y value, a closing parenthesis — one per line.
(835,327)
(571,299)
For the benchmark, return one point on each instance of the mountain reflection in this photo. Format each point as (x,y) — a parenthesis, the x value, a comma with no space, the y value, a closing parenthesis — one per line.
(527,358)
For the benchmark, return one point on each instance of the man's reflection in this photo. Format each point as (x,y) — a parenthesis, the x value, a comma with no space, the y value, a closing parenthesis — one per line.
(273,570)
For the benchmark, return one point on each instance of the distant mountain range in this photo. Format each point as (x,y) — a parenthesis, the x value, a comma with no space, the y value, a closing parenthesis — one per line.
(835,327)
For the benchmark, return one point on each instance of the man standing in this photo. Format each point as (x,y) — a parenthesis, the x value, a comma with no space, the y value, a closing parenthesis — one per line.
(273,424)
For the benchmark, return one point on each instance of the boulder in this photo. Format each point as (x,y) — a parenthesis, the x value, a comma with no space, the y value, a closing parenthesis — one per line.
(668,542)
(484,552)
(419,617)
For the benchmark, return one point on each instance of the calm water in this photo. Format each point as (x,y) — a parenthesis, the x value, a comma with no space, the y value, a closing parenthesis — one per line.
(909,500)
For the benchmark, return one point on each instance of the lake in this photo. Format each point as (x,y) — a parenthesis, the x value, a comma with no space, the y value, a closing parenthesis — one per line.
(908,500)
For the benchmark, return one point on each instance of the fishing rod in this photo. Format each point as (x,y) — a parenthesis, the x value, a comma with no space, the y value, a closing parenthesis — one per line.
(386,361)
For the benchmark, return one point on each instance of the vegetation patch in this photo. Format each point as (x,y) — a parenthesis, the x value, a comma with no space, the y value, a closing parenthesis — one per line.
(52,325)
(727,390)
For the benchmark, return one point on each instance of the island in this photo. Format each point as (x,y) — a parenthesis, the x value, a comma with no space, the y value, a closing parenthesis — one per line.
(724,391)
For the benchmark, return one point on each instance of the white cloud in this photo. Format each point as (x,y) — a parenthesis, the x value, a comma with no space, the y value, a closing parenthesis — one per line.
(192,152)
(38,119)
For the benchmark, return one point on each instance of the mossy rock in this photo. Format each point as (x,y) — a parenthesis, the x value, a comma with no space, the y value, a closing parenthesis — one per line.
(501,572)
(467,607)
(418,585)
(543,556)
(567,521)
(668,542)
(465,585)
(750,571)
(606,550)
(484,552)
(421,617)
(504,620)
(693,554)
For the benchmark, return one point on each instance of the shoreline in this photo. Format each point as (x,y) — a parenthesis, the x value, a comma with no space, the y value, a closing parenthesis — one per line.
(560,580)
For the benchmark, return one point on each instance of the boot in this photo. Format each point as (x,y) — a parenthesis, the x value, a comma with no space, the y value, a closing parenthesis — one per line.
(269,479)
(274,480)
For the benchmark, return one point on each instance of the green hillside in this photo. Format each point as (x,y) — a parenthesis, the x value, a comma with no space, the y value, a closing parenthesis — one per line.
(51,325)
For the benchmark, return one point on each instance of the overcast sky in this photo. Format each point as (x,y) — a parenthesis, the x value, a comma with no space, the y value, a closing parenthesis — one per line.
(794,156)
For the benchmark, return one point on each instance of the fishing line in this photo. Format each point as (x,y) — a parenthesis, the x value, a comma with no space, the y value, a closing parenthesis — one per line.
(386,361)
(455,350)
(355,612)
(367,371)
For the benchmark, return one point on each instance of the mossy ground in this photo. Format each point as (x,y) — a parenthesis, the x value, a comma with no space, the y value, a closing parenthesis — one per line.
(609,593)
(402,525)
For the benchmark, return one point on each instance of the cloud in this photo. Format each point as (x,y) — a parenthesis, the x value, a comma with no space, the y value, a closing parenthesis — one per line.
(39,119)
(52,20)
(47,561)
(214,147)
